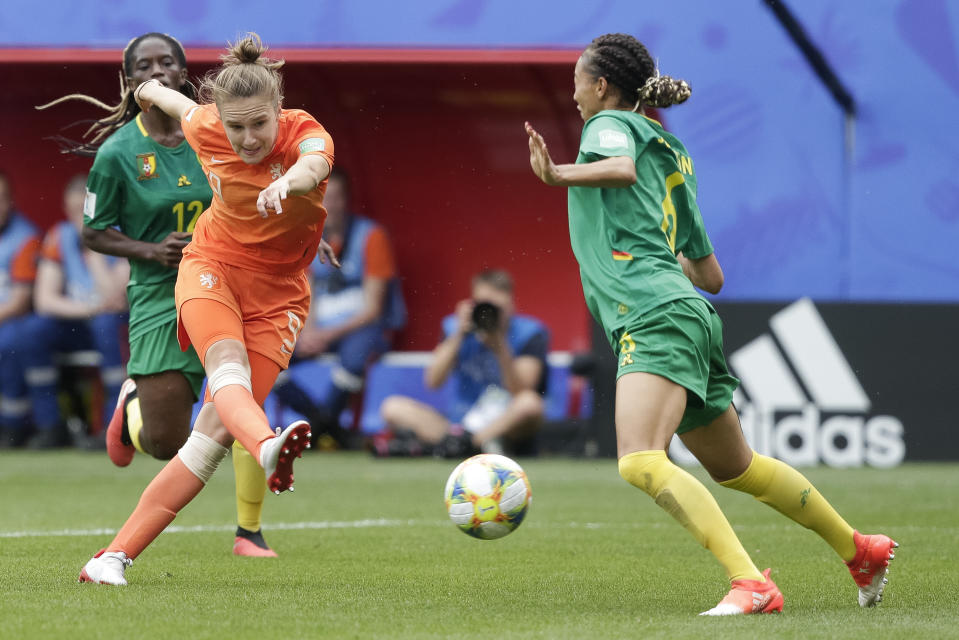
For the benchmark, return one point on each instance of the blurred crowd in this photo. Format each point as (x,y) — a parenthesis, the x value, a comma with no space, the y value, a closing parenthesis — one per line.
(64,348)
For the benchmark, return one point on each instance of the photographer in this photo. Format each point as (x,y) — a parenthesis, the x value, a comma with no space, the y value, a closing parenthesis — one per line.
(498,364)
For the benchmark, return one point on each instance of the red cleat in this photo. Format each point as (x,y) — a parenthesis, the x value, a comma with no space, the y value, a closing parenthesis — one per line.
(120,453)
(749,596)
(277,455)
(871,565)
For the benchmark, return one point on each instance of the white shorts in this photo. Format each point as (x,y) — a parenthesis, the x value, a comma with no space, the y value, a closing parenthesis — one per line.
(491,404)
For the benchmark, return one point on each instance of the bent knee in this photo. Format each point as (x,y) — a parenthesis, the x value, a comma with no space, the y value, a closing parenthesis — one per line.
(225,351)
(162,439)
(529,405)
(394,408)
(646,470)
(161,448)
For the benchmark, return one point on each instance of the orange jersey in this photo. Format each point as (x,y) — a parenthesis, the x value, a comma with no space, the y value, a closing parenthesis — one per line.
(232,231)
(23,267)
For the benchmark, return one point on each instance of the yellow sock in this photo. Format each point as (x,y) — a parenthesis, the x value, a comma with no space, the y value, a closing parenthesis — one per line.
(134,422)
(250,488)
(687,500)
(789,492)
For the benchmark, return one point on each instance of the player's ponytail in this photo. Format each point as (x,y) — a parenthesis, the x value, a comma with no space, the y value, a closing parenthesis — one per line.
(244,72)
(627,65)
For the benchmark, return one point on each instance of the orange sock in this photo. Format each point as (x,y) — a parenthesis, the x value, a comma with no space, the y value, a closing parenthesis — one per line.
(243,417)
(171,490)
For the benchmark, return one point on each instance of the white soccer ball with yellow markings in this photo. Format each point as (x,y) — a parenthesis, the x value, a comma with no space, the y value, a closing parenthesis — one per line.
(487,496)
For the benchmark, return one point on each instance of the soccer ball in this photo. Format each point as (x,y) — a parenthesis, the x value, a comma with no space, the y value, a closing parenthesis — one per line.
(487,496)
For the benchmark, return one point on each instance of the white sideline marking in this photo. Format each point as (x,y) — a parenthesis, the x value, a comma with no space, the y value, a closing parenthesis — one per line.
(202,528)
(371,523)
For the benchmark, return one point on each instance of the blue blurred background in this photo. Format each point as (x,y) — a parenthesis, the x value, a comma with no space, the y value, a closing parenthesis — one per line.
(789,213)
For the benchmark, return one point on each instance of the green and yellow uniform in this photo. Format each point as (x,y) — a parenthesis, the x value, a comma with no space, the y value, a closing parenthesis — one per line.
(147,190)
(626,241)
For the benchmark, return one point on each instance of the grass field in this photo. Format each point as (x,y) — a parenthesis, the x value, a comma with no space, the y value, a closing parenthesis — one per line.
(367,552)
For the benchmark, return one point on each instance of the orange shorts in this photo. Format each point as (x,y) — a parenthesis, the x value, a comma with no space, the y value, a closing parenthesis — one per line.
(272,307)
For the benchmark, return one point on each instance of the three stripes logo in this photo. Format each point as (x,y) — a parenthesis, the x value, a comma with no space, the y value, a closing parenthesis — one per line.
(760,600)
(801,401)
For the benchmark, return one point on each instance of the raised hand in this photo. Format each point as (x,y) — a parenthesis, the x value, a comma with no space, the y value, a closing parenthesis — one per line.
(464,315)
(539,158)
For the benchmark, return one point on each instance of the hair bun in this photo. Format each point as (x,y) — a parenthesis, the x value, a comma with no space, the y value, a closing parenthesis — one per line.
(245,72)
(249,50)
(664,91)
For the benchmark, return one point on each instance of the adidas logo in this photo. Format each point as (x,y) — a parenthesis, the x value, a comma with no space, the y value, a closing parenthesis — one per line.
(760,600)
(801,402)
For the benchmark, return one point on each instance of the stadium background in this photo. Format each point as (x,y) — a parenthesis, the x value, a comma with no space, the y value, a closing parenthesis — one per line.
(426,103)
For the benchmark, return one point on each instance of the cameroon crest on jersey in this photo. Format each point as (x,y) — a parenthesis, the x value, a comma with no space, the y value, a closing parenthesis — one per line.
(146,166)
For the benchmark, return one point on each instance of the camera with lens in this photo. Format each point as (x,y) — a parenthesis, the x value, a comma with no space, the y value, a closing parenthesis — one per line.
(486,316)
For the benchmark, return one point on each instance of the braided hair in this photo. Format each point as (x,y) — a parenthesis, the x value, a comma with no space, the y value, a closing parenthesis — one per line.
(628,66)
(120,113)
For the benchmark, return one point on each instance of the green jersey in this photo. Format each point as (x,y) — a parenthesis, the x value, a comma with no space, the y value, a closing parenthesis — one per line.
(626,239)
(146,190)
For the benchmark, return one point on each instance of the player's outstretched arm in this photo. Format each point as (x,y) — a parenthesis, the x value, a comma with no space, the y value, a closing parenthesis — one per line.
(615,172)
(173,103)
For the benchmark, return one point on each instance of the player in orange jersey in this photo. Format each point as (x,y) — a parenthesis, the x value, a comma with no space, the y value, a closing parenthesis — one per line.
(242,293)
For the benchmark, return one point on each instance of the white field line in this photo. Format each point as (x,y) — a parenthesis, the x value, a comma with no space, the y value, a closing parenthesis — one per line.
(293,526)
(382,522)
(203,528)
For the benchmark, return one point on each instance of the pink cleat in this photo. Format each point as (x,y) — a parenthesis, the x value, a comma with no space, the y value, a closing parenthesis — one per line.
(871,565)
(749,596)
(251,544)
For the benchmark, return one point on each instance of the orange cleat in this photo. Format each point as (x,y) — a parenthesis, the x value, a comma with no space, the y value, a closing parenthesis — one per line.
(120,449)
(749,596)
(871,566)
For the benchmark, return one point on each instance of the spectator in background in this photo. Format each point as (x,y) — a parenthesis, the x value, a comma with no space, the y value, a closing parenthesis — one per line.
(19,245)
(355,311)
(498,364)
(80,297)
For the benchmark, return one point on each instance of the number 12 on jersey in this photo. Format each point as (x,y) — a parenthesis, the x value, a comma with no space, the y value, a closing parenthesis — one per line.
(195,207)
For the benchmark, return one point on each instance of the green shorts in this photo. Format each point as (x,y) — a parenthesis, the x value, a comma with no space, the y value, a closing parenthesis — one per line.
(157,350)
(681,341)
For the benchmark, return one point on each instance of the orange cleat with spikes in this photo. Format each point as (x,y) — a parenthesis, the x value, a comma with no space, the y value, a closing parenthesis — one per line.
(749,596)
(870,567)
